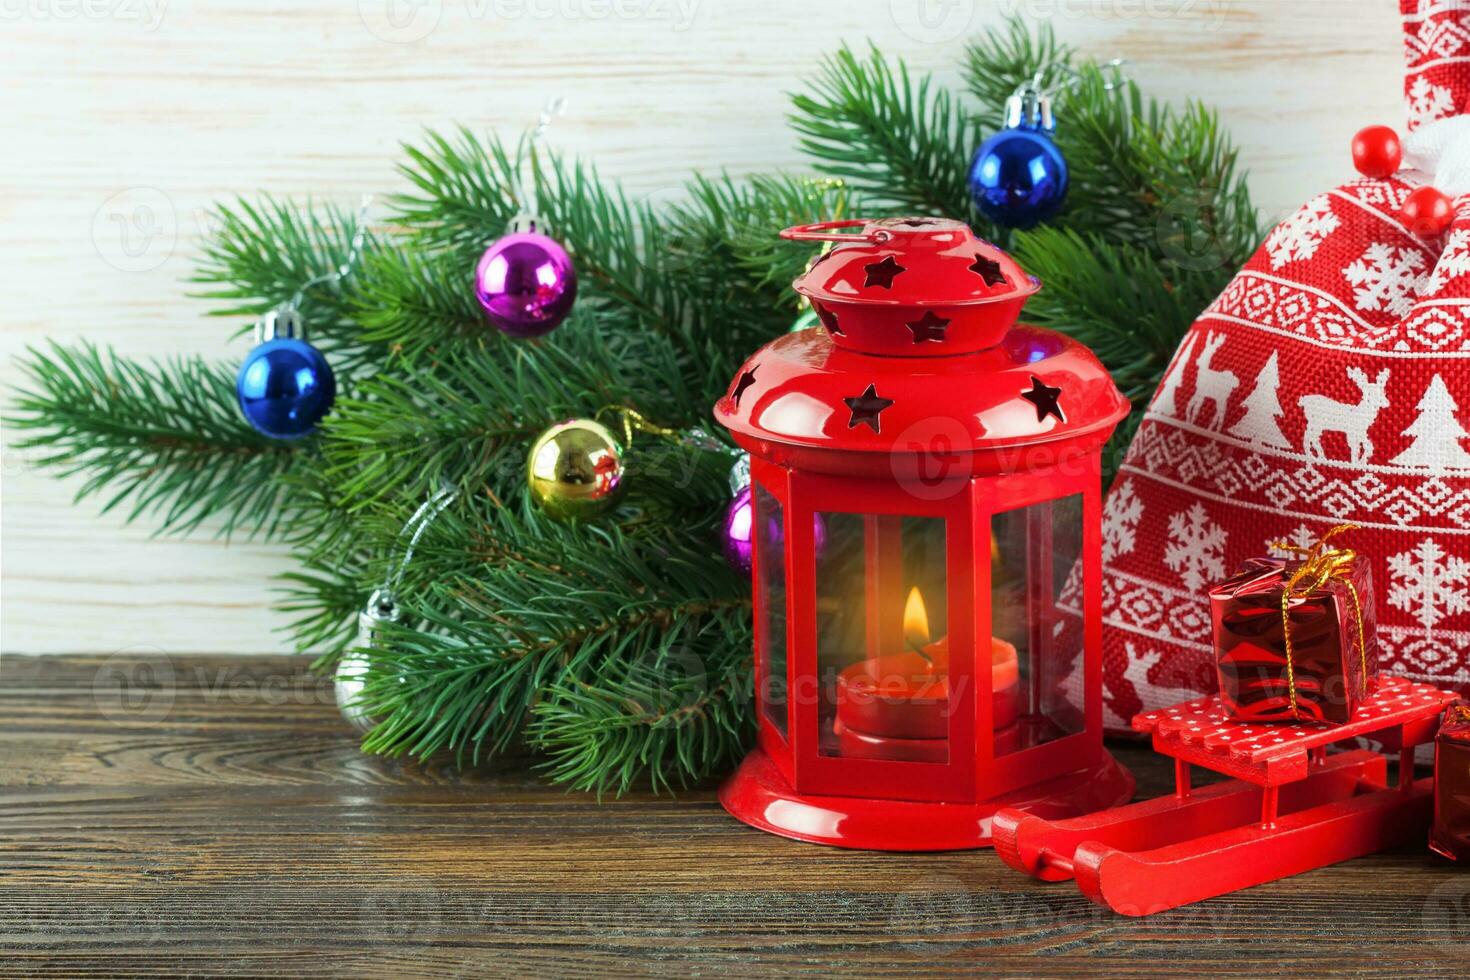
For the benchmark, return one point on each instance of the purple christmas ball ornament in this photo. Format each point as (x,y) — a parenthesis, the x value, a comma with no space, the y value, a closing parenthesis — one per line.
(526,284)
(738,534)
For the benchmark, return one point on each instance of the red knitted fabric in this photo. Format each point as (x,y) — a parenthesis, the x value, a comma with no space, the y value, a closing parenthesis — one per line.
(1437,52)
(1328,383)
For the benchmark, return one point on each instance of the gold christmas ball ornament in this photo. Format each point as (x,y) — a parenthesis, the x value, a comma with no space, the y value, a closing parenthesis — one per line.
(575,469)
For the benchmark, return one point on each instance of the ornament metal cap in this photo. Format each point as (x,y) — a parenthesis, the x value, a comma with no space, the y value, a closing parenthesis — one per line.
(283,321)
(1030,108)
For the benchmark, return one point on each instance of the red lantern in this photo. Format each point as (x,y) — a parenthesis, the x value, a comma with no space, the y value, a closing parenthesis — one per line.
(926,481)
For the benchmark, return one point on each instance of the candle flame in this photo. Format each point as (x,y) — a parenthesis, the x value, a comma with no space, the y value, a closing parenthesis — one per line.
(915,620)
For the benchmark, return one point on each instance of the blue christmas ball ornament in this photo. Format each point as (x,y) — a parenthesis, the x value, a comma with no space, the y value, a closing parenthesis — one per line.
(1018,177)
(285,386)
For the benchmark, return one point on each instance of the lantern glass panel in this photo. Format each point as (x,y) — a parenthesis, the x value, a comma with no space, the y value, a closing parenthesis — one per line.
(1036,596)
(770,564)
(882,637)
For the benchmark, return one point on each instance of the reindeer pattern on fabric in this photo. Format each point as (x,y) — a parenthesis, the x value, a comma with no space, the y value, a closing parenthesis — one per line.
(1328,383)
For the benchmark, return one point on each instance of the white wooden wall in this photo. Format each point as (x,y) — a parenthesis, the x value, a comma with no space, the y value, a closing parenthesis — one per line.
(149,110)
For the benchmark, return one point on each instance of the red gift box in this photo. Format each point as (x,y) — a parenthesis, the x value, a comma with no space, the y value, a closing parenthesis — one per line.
(1451,833)
(1294,639)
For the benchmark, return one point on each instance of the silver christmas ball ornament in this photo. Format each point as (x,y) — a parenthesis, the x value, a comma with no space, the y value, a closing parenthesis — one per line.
(352,669)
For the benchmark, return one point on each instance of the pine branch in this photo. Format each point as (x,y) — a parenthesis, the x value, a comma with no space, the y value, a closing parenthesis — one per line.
(997,63)
(261,255)
(671,715)
(467,420)
(1156,178)
(166,439)
(464,193)
(1129,306)
(903,144)
(548,605)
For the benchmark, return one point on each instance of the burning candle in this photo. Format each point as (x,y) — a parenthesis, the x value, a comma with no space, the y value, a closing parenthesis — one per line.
(896,705)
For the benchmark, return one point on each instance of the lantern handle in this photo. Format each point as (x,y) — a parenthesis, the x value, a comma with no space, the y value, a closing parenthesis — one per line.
(822,231)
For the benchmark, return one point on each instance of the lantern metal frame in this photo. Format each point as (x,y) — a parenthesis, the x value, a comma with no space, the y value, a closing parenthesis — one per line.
(1008,457)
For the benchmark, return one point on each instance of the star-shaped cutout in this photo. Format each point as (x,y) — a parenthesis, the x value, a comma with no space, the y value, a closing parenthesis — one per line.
(1044,397)
(989,270)
(865,409)
(828,318)
(928,327)
(882,273)
(747,378)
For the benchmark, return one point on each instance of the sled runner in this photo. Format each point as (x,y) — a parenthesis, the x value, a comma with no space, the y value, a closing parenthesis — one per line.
(1290,806)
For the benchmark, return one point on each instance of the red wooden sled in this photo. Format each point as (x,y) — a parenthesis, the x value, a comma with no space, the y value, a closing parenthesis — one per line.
(1290,808)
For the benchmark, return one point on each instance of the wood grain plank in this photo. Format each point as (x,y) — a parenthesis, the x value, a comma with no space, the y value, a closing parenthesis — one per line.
(246,837)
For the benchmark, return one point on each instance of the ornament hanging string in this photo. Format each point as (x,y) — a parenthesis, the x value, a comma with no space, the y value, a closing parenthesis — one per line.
(349,261)
(1321,563)
(528,217)
(631,420)
(285,386)
(290,310)
(839,213)
(351,677)
(417,524)
(634,421)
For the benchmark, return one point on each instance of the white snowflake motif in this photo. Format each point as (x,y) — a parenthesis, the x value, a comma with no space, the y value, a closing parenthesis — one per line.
(1386,278)
(1196,548)
(1428,102)
(1297,237)
(1121,515)
(1453,261)
(1302,537)
(1429,584)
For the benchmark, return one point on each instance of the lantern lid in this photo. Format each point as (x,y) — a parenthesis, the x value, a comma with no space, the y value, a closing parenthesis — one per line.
(912,287)
(1036,386)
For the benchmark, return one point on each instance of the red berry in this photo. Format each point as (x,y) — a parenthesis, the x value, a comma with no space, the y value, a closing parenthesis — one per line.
(1428,211)
(1377,151)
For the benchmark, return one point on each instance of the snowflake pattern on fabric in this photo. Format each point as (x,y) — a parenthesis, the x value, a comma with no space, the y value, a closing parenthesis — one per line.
(1121,515)
(1297,237)
(1453,261)
(1386,279)
(1429,584)
(1196,548)
(1301,537)
(1428,102)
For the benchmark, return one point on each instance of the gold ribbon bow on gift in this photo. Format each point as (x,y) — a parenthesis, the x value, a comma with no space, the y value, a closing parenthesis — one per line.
(1321,563)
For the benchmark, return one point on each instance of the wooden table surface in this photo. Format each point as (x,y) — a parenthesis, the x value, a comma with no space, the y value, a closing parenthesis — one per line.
(212,816)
